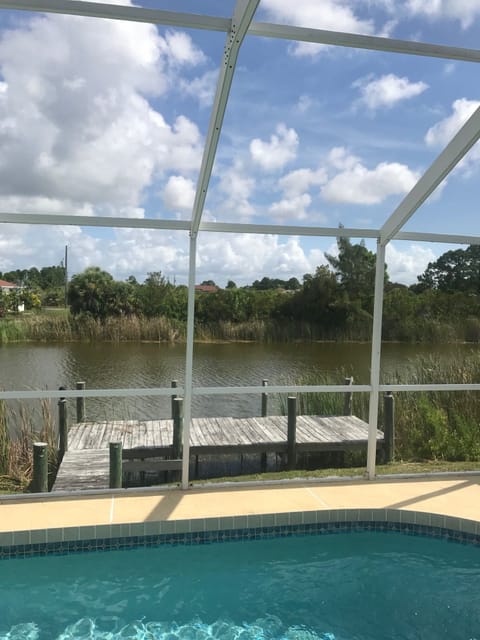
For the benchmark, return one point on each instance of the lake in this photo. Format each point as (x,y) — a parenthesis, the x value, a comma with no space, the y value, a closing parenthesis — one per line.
(109,365)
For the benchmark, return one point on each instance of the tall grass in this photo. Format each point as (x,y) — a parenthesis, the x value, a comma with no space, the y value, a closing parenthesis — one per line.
(440,425)
(17,435)
(52,328)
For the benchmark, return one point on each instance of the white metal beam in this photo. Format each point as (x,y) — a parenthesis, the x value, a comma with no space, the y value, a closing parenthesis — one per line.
(93,221)
(227,227)
(445,238)
(187,399)
(375,359)
(288,230)
(455,150)
(263,29)
(242,17)
(120,12)
(357,41)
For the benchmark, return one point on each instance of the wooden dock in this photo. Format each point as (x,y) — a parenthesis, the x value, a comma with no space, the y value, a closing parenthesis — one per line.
(85,464)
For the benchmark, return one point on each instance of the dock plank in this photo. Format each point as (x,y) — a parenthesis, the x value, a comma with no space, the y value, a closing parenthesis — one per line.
(85,465)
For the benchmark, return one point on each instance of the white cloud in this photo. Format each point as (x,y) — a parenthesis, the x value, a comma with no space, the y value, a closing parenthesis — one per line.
(275,154)
(179,49)
(304,103)
(201,88)
(75,122)
(238,187)
(245,257)
(405,265)
(307,49)
(293,208)
(442,132)
(301,180)
(387,90)
(359,185)
(332,15)
(340,158)
(328,14)
(179,194)
(465,11)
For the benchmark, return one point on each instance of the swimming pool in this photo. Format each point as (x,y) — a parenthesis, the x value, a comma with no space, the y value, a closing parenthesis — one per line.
(320,587)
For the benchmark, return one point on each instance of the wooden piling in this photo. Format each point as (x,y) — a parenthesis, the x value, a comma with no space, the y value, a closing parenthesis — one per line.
(80,403)
(292,433)
(174,385)
(40,467)
(177,448)
(264,400)
(177,428)
(62,428)
(263,456)
(348,399)
(389,425)
(115,465)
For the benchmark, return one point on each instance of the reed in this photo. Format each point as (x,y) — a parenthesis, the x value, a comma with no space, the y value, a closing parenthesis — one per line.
(17,435)
(440,425)
(51,328)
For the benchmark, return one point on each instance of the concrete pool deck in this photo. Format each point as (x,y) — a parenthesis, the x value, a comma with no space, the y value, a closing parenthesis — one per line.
(449,497)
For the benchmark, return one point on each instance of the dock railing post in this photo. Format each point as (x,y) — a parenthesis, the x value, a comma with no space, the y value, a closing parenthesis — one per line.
(177,448)
(348,399)
(174,385)
(292,433)
(40,467)
(115,465)
(264,400)
(263,456)
(389,425)
(80,403)
(62,428)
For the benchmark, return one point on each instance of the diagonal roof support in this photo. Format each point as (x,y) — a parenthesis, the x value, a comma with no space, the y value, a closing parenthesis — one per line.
(455,150)
(242,17)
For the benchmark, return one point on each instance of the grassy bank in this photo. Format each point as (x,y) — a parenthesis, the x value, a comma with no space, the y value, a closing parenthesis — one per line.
(57,325)
(432,466)
(61,327)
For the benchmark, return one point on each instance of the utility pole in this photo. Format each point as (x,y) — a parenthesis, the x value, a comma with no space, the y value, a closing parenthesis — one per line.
(66,276)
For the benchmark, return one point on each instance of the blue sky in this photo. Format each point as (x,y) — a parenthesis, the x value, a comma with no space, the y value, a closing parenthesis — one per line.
(108,118)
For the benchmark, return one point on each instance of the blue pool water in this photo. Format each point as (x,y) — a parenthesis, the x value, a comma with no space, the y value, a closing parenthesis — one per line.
(362,586)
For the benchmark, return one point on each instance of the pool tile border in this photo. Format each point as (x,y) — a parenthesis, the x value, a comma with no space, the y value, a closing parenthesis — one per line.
(63,541)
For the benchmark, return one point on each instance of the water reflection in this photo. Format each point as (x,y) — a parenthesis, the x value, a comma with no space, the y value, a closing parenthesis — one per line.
(143,365)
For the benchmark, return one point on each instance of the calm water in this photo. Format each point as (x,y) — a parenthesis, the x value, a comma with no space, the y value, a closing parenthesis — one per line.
(105,365)
(362,586)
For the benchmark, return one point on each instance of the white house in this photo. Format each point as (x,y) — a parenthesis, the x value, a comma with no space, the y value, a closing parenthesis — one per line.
(8,287)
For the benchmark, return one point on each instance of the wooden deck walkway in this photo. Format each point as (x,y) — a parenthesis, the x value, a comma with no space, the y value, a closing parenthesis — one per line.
(86,463)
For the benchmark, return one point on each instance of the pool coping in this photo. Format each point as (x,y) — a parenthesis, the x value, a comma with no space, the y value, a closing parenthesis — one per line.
(64,541)
(448,502)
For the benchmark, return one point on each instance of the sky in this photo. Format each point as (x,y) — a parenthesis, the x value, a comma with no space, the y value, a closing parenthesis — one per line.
(109,118)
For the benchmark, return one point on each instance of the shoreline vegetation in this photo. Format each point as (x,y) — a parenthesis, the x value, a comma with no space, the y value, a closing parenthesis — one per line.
(333,303)
(58,325)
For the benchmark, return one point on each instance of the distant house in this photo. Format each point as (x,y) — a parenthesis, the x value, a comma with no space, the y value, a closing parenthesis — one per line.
(8,287)
(206,288)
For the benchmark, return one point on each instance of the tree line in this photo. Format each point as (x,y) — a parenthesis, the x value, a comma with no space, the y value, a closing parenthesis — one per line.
(335,302)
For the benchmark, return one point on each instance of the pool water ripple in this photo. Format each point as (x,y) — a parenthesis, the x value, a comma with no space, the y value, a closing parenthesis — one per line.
(366,586)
